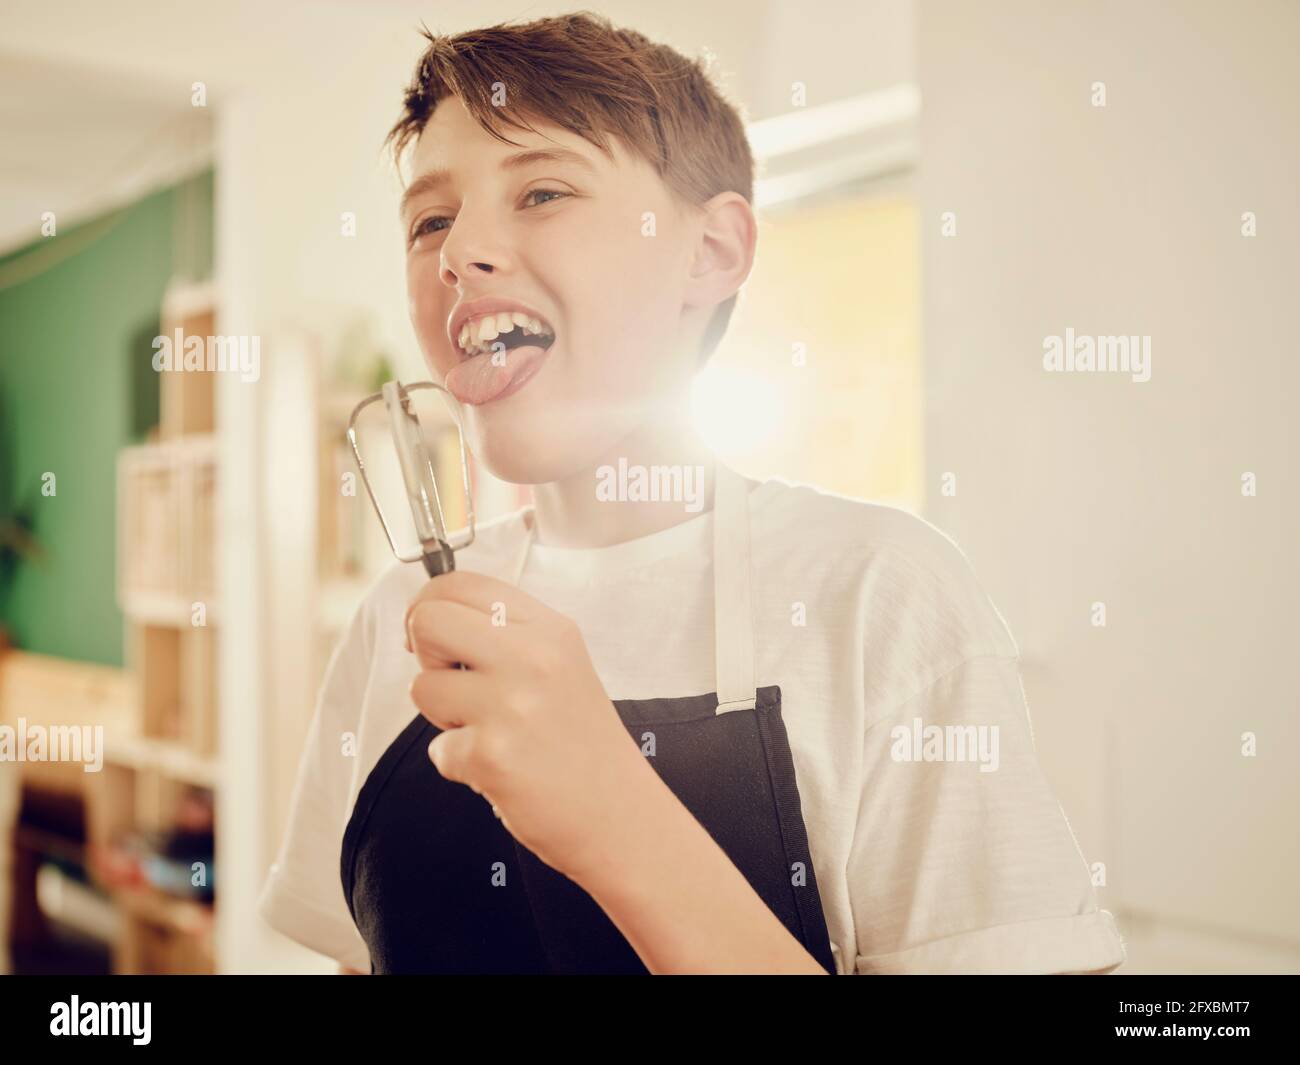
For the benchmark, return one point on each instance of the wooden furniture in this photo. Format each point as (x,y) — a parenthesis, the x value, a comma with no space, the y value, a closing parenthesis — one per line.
(167,581)
(135,787)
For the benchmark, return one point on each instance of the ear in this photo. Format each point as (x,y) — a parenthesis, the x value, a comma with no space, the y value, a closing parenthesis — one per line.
(724,254)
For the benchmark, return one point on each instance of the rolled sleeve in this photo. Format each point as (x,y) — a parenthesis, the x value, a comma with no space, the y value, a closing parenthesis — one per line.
(958,870)
(1086,943)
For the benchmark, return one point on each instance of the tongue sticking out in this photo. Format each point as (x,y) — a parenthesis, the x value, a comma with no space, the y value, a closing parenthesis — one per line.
(484,377)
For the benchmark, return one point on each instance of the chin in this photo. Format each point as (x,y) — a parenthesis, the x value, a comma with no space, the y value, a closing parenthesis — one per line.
(509,461)
(520,454)
(537,446)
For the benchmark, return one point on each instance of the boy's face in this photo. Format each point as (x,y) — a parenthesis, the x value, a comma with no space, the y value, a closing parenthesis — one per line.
(567,238)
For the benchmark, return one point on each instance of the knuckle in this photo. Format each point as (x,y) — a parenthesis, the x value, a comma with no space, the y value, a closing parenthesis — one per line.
(522,700)
(424,696)
(539,661)
(424,620)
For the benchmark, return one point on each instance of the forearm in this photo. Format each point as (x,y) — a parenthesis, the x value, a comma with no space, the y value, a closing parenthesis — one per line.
(681,902)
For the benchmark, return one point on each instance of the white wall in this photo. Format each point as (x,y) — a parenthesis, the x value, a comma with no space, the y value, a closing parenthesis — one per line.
(1126,219)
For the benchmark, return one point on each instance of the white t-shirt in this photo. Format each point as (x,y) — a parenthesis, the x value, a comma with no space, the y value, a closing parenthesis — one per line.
(879,636)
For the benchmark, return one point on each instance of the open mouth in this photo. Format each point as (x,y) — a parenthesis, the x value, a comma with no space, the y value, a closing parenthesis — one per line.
(503,331)
(500,353)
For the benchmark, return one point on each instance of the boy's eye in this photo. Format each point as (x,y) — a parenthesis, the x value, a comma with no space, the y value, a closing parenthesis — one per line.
(428,226)
(543,192)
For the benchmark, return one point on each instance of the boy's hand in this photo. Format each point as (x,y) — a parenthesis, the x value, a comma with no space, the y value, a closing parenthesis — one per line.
(527,724)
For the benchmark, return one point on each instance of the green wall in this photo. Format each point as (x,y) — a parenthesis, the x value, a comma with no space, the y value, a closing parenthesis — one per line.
(78,314)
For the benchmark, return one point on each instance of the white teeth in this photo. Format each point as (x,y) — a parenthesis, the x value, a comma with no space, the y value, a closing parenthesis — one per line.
(476,337)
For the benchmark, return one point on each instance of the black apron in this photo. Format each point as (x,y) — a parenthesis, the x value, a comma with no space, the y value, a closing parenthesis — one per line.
(436,884)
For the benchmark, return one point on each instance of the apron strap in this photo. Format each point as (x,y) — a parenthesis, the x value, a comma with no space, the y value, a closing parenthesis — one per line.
(530,534)
(733,609)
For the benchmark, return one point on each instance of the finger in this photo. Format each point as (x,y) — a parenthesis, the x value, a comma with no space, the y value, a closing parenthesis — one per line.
(441,632)
(505,603)
(432,626)
(456,757)
(452,754)
(453,698)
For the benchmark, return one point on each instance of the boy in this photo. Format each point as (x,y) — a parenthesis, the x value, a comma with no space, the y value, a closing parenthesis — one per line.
(783,732)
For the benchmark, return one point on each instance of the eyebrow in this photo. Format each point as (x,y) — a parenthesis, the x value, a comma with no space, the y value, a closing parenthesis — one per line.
(432,179)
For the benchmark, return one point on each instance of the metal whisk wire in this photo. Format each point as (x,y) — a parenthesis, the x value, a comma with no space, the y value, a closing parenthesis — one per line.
(419,479)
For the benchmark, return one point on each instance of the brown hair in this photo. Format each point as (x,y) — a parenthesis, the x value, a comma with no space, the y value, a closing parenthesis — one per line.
(592,79)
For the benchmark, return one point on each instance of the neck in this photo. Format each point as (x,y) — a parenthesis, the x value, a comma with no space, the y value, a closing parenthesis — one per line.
(572,513)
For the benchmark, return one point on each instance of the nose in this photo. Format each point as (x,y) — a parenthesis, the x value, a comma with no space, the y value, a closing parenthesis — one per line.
(452,276)
(472,249)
